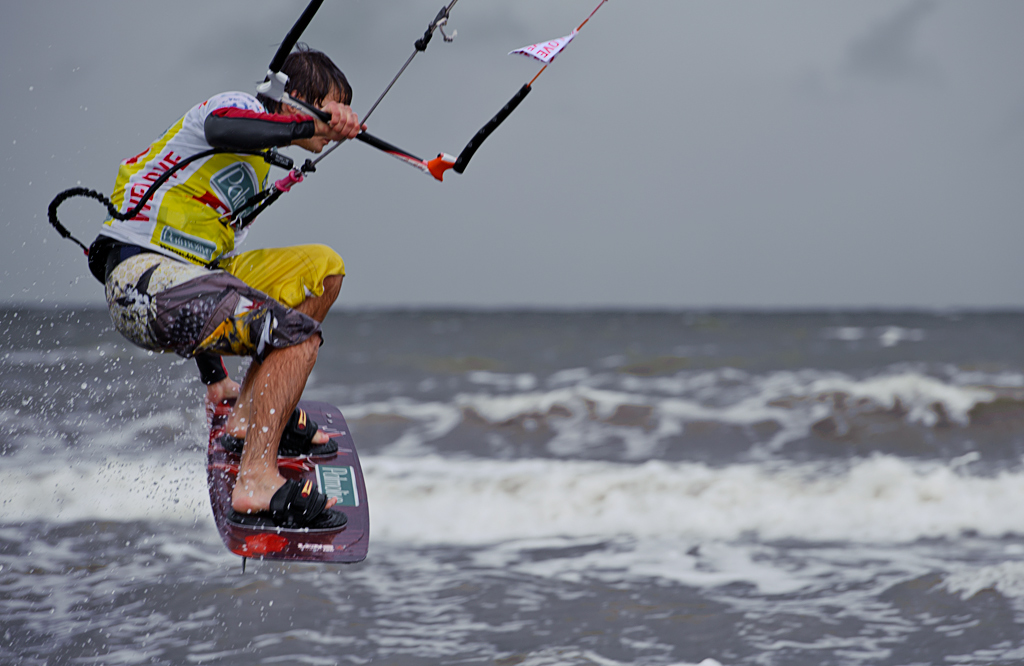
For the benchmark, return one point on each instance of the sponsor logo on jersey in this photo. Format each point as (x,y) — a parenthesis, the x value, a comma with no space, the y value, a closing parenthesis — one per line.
(198,247)
(235,184)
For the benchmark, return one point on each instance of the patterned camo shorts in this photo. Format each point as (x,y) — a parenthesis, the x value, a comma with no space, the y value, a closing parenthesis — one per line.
(164,304)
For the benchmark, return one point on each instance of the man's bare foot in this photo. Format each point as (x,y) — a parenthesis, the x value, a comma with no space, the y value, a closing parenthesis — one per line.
(253,495)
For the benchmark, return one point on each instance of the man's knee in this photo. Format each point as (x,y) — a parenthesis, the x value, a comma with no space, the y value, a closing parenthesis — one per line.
(318,306)
(328,262)
(332,286)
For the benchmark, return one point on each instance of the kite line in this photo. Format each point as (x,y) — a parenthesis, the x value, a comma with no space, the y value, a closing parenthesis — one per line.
(543,51)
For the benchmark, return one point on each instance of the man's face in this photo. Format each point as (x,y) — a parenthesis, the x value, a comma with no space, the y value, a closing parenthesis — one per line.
(313,144)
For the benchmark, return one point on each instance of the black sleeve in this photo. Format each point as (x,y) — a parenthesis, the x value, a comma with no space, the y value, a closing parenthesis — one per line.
(211,368)
(238,129)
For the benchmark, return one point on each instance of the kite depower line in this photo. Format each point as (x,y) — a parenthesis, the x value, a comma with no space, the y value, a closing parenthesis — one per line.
(275,87)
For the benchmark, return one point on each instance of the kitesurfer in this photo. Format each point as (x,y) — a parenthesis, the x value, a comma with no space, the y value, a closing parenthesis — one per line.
(174,282)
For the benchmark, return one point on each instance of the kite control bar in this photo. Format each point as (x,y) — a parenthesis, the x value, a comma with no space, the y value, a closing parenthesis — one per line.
(435,167)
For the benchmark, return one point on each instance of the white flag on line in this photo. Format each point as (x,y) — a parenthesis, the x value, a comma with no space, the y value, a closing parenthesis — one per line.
(545,51)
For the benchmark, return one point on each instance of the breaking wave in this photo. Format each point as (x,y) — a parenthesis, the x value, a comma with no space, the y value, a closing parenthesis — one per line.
(437,500)
(644,414)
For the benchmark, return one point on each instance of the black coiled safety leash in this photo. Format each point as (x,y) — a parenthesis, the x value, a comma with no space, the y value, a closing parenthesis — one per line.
(271,156)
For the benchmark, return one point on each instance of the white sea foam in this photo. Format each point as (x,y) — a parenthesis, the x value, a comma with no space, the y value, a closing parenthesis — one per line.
(890,336)
(735,393)
(887,336)
(916,393)
(1005,379)
(130,489)
(500,380)
(879,499)
(793,399)
(430,421)
(579,415)
(67,355)
(1006,578)
(437,500)
(689,561)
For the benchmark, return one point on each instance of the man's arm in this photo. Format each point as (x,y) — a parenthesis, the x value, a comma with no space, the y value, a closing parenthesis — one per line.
(211,368)
(241,129)
(213,373)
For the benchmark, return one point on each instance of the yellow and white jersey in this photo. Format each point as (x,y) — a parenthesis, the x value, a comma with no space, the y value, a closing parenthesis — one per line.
(190,215)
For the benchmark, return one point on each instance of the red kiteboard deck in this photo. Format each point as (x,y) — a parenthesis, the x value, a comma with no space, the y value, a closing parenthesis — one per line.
(337,475)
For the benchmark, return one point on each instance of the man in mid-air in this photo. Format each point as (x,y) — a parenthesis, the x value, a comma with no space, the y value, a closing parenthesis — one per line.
(174,283)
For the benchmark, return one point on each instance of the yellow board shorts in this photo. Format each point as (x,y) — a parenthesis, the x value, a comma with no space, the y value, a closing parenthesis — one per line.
(289,275)
(166,304)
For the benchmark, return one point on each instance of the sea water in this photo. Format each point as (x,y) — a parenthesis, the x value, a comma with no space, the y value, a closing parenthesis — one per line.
(544,488)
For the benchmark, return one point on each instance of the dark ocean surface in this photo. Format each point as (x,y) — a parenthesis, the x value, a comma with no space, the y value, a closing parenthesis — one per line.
(586,488)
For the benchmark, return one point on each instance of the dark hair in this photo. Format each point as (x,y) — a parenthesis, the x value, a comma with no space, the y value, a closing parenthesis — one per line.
(311,76)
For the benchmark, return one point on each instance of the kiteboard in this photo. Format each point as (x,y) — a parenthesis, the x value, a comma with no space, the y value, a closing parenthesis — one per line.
(336,475)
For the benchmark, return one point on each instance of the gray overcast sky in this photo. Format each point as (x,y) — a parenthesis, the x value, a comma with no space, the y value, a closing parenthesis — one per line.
(793,153)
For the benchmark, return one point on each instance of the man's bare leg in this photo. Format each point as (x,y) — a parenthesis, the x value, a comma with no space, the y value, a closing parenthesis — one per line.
(315,307)
(318,306)
(274,388)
